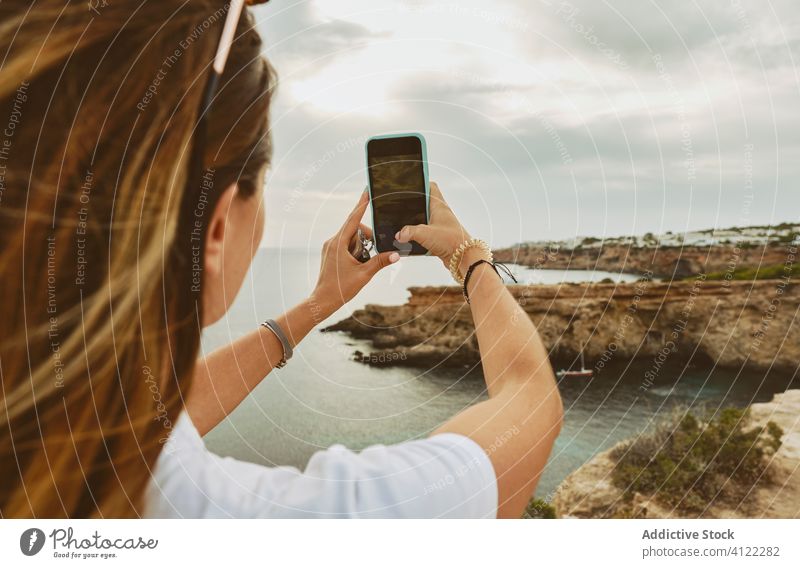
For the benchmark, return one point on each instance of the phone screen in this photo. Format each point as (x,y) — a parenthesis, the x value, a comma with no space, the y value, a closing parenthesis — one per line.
(397,185)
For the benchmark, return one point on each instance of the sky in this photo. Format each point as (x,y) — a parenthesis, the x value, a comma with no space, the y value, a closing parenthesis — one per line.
(544,119)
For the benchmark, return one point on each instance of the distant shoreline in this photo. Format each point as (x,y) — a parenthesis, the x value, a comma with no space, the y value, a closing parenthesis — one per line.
(673,256)
(755,233)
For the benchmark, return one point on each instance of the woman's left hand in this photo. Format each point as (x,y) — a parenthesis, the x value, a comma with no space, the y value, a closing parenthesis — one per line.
(341,276)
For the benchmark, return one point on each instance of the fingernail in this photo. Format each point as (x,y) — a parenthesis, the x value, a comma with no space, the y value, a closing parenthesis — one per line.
(394,257)
(397,235)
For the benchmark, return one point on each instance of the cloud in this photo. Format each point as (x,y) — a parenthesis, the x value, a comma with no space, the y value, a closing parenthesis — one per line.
(545,119)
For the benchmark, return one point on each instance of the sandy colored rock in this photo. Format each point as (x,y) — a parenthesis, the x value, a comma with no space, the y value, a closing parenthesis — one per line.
(588,492)
(666,261)
(730,324)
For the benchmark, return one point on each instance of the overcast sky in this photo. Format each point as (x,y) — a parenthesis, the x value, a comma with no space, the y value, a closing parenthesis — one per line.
(544,119)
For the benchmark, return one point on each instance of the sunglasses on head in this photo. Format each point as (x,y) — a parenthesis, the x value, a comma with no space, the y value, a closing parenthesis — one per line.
(235,8)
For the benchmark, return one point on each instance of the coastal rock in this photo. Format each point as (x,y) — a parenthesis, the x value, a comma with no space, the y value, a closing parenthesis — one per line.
(738,324)
(783,500)
(588,492)
(590,495)
(664,262)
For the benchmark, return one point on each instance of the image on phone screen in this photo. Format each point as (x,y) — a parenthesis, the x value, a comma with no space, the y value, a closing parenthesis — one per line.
(397,185)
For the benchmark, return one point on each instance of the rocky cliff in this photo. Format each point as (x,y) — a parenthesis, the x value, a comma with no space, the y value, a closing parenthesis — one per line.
(733,324)
(662,262)
(589,493)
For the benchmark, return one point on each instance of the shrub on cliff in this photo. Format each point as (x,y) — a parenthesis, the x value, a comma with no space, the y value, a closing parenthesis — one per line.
(687,463)
(756,273)
(539,509)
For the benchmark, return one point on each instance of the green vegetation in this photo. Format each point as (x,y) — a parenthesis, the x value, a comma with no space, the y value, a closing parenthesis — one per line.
(790,230)
(688,463)
(539,509)
(760,273)
(779,227)
(789,237)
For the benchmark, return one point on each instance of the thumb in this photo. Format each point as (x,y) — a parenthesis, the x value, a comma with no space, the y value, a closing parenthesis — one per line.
(382,260)
(419,233)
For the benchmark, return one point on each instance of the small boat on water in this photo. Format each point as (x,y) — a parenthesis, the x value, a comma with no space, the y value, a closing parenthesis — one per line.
(584,373)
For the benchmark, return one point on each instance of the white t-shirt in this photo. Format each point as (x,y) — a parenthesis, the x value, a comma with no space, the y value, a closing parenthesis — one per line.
(447,475)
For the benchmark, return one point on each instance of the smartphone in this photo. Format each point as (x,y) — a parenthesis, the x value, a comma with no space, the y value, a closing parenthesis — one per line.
(397,170)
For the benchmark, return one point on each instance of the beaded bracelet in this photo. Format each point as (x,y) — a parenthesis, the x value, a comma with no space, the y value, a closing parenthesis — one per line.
(455,260)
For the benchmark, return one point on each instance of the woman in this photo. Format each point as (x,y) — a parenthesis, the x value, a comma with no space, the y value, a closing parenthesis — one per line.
(116,252)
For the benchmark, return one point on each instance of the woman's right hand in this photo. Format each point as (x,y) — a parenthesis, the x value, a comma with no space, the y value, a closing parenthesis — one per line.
(442,235)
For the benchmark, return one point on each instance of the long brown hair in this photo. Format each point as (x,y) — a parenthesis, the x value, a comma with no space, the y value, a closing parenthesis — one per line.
(99,297)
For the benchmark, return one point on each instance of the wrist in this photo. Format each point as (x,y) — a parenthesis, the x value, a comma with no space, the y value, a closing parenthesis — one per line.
(300,320)
(459,260)
(319,307)
(472,255)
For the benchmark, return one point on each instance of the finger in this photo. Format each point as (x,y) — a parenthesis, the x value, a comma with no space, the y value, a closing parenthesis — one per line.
(419,233)
(436,194)
(354,219)
(366,231)
(353,243)
(380,261)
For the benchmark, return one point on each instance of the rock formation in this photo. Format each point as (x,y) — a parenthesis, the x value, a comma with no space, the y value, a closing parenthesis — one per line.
(589,493)
(733,324)
(663,262)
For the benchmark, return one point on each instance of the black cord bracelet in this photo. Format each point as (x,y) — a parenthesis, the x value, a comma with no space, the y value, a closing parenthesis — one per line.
(494,266)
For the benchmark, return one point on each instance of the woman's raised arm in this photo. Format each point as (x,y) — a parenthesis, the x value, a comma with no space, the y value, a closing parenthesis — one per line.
(223,379)
(519,423)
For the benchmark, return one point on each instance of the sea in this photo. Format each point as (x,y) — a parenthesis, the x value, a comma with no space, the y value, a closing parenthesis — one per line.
(323,397)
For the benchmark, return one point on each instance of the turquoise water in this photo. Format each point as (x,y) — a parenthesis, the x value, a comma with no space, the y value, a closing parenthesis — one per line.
(322,397)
